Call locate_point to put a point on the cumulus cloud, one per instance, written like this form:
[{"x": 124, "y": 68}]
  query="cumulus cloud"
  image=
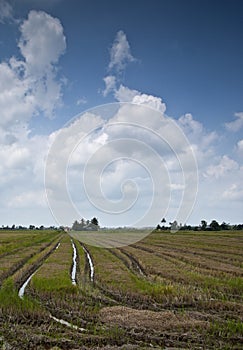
[
  {"x": 126, "y": 152},
  {"x": 237, "y": 124},
  {"x": 28, "y": 199},
  {"x": 6, "y": 11},
  {"x": 201, "y": 140},
  {"x": 150, "y": 101},
  {"x": 110, "y": 84},
  {"x": 240, "y": 146},
  {"x": 234, "y": 192},
  {"x": 224, "y": 166},
  {"x": 14, "y": 156},
  {"x": 196, "y": 132},
  {"x": 120, "y": 56},
  {"x": 120, "y": 53},
  {"x": 42, "y": 42},
  {"x": 16, "y": 103},
  {"x": 30, "y": 86},
  {"x": 124, "y": 94}
]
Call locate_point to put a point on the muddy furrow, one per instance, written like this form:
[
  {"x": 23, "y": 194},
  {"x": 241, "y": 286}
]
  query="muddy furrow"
[
  {"x": 109, "y": 296},
  {"x": 19, "y": 249},
  {"x": 89, "y": 262},
  {"x": 130, "y": 299},
  {"x": 134, "y": 301},
  {"x": 193, "y": 263},
  {"x": 166, "y": 256},
  {"x": 203, "y": 250},
  {"x": 20, "y": 264},
  {"x": 25, "y": 279},
  {"x": 208, "y": 262},
  {"x": 134, "y": 262},
  {"x": 128, "y": 260},
  {"x": 22, "y": 289}
]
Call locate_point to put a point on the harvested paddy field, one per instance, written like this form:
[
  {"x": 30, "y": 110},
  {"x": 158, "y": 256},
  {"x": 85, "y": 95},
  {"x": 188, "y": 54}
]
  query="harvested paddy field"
[{"x": 169, "y": 291}]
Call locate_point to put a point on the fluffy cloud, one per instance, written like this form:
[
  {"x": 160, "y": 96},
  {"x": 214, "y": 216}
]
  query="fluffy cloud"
[
  {"x": 16, "y": 104},
  {"x": 120, "y": 53},
  {"x": 237, "y": 124},
  {"x": 195, "y": 131},
  {"x": 150, "y": 101},
  {"x": 119, "y": 162},
  {"x": 234, "y": 192},
  {"x": 110, "y": 84},
  {"x": 124, "y": 94},
  {"x": 14, "y": 156},
  {"x": 201, "y": 140},
  {"x": 224, "y": 166},
  {"x": 30, "y": 86},
  {"x": 136, "y": 152},
  {"x": 42, "y": 42},
  {"x": 240, "y": 146},
  {"x": 28, "y": 199},
  {"x": 120, "y": 56}
]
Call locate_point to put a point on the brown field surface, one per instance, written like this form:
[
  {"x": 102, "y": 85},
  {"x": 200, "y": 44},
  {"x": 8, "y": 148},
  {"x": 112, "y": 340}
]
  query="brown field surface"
[{"x": 168, "y": 291}]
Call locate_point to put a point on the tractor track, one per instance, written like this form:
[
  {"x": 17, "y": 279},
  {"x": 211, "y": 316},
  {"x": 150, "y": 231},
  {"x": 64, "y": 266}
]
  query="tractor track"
[
  {"x": 89, "y": 264},
  {"x": 129, "y": 261},
  {"x": 203, "y": 266},
  {"x": 33, "y": 269},
  {"x": 20, "y": 264}
]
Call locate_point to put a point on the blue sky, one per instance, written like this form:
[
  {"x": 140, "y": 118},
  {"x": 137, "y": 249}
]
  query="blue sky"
[{"x": 186, "y": 55}]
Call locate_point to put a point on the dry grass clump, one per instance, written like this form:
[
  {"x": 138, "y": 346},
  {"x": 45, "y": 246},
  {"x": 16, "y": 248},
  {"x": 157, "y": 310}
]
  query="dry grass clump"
[{"x": 146, "y": 319}]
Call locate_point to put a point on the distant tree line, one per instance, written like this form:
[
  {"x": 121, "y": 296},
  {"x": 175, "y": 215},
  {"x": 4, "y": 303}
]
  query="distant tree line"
[
  {"x": 30, "y": 227},
  {"x": 204, "y": 226},
  {"x": 86, "y": 225}
]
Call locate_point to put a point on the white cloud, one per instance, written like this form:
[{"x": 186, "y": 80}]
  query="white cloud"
[
  {"x": 195, "y": 131},
  {"x": 124, "y": 94},
  {"x": 30, "y": 86},
  {"x": 120, "y": 53},
  {"x": 42, "y": 41},
  {"x": 225, "y": 165},
  {"x": 234, "y": 192},
  {"x": 16, "y": 104},
  {"x": 237, "y": 124},
  {"x": 110, "y": 84},
  {"x": 6, "y": 11},
  {"x": 14, "y": 156},
  {"x": 120, "y": 56},
  {"x": 127, "y": 154},
  {"x": 81, "y": 101},
  {"x": 150, "y": 101},
  {"x": 28, "y": 199},
  {"x": 240, "y": 146}
]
